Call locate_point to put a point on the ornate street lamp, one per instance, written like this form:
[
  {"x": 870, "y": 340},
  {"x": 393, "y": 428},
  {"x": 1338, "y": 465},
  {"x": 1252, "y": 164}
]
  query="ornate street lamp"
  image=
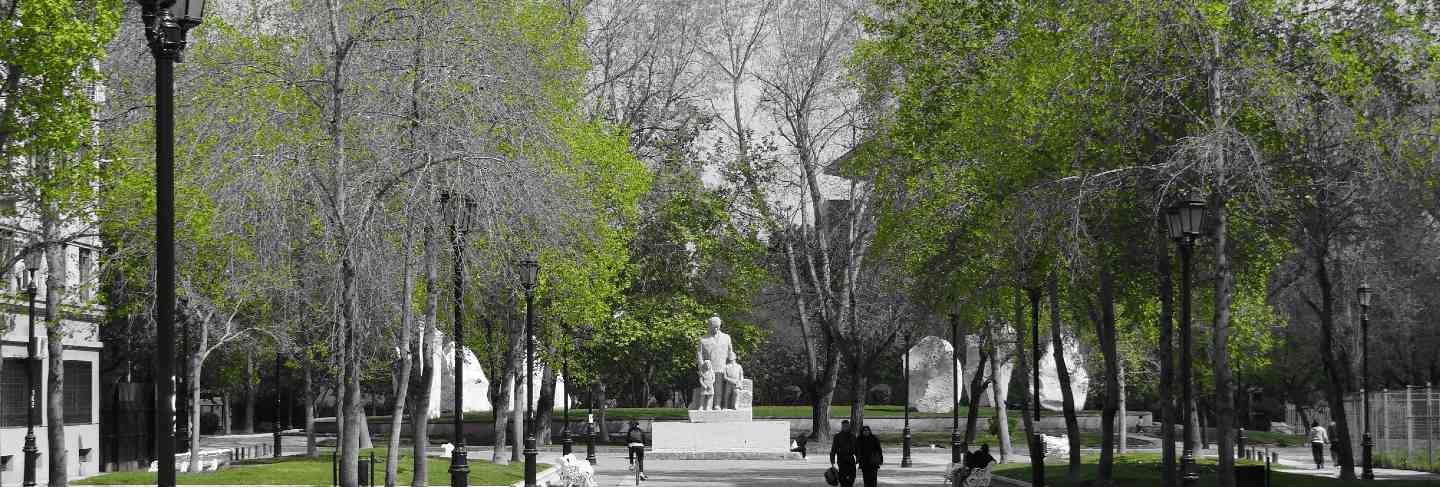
[
  {"x": 1368, "y": 443},
  {"x": 956, "y": 441},
  {"x": 278, "y": 361},
  {"x": 166, "y": 23},
  {"x": 1185, "y": 220},
  {"x": 529, "y": 275},
  {"x": 1037, "y": 442},
  {"x": 566, "y": 443},
  {"x": 461, "y": 213},
  {"x": 586, "y": 336},
  {"x": 905, "y": 458},
  {"x": 32, "y": 373}
]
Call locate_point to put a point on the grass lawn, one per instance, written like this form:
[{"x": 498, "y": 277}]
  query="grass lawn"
[
  {"x": 310, "y": 471},
  {"x": 1143, "y": 470}
]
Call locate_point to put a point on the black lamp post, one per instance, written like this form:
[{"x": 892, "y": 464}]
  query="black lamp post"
[
  {"x": 905, "y": 457},
  {"x": 1185, "y": 220},
  {"x": 1368, "y": 443},
  {"x": 529, "y": 272},
  {"x": 166, "y": 22},
  {"x": 460, "y": 212},
  {"x": 1037, "y": 442},
  {"x": 32, "y": 373},
  {"x": 278, "y": 361},
  {"x": 956, "y": 441},
  {"x": 586, "y": 336},
  {"x": 566, "y": 443}
]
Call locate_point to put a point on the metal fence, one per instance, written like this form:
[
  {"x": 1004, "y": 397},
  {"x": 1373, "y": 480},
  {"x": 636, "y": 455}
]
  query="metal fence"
[
  {"x": 1405, "y": 424},
  {"x": 1405, "y": 427}
]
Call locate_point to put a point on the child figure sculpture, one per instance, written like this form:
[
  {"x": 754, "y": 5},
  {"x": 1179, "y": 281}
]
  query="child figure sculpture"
[
  {"x": 729, "y": 391},
  {"x": 707, "y": 389}
]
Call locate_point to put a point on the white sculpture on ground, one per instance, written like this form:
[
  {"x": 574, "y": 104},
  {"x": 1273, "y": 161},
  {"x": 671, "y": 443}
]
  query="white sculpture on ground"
[
  {"x": 721, "y": 423},
  {"x": 1005, "y": 339},
  {"x": 1050, "y": 397},
  {"x": 442, "y": 385},
  {"x": 932, "y": 376}
]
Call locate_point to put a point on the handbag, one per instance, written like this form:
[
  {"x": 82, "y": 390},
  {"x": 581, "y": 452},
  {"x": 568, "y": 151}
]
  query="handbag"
[{"x": 832, "y": 476}]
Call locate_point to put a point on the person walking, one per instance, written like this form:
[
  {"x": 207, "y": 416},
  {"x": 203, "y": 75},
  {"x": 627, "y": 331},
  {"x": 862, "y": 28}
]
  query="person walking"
[
  {"x": 635, "y": 440},
  {"x": 1335, "y": 458},
  {"x": 842, "y": 448},
  {"x": 867, "y": 450},
  {"x": 1318, "y": 439}
]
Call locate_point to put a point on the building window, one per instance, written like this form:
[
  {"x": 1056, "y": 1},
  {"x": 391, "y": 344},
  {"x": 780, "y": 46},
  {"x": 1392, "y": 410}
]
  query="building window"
[
  {"x": 77, "y": 392},
  {"x": 87, "y": 264},
  {"x": 12, "y": 393}
]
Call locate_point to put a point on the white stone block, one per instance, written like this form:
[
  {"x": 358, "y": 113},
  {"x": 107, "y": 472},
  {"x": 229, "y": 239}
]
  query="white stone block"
[
  {"x": 752, "y": 436},
  {"x": 720, "y": 415}
]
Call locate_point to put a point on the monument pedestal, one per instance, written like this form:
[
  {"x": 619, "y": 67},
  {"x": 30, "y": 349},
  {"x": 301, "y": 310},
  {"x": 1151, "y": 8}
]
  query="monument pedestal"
[{"x": 737, "y": 440}]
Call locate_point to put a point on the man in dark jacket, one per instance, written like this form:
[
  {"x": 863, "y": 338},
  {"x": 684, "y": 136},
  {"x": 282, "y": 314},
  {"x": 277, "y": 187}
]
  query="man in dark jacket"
[{"x": 843, "y": 448}]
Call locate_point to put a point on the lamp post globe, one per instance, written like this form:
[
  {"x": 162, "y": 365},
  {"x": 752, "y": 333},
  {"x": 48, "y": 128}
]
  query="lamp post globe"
[
  {"x": 166, "y": 23},
  {"x": 1185, "y": 220},
  {"x": 1367, "y": 443},
  {"x": 529, "y": 274}
]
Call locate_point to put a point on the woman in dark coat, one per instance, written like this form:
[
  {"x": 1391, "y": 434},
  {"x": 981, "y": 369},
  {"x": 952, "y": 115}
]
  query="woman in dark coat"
[{"x": 867, "y": 450}]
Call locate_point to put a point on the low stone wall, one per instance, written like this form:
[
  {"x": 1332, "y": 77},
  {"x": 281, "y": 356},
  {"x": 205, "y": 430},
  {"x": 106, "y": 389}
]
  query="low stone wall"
[{"x": 484, "y": 432}]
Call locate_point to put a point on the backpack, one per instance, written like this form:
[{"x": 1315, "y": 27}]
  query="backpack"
[{"x": 635, "y": 435}]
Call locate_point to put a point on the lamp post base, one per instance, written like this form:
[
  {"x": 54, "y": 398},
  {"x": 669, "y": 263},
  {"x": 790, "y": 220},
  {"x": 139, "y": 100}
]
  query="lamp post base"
[
  {"x": 1367, "y": 445},
  {"x": 1188, "y": 476},
  {"x": 590, "y": 447},
  {"x": 32, "y": 457},
  {"x": 277, "y": 441},
  {"x": 567, "y": 444},
  {"x": 957, "y": 444},
  {"x": 459, "y": 467},
  {"x": 530, "y": 459},
  {"x": 905, "y": 456}
]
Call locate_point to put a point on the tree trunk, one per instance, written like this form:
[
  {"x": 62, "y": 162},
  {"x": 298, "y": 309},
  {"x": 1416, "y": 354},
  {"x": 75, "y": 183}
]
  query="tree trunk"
[
  {"x": 822, "y": 395},
  {"x": 55, "y": 346},
  {"x": 517, "y": 423},
  {"x": 1002, "y": 416},
  {"x": 1105, "y": 330},
  {"x": 1023, "y": 367},
  {"x": 544, "y": 406},
  {"x": 312, "y": 447},
  {"x": 977, "y": 384},
  {"x": 402, "y": 385},
  {"x": 1124, "y": 439},
  {"x": 1164, "y": 291},
  {"x": 248, "y": 409},
  {"x": 225, "y": 413},
  {"x": 1067, "y": 396},
  {"x": 604, "y": 405},
  {"x": 364, "y": 418},
  {"x": 1337, "y": 367},
  {"x": 1224, "y": 294},
  {"x": 194, "y": 380},
  {"x": 423, "y": 374},
  {"x": 502, "y": 419},
  {"x": 859, "y": 381}
]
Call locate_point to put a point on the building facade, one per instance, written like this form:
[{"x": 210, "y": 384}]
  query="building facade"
[{"x": 81, "y": 394}]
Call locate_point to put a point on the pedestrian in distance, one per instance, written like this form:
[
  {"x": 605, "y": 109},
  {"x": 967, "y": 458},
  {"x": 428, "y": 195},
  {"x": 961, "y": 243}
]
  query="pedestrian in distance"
[
  {"x": 1334, "y": 445},
  {"x": 871, "y": 457},
  {"x": 1318, "y": 439},
  {"x": 842, "y": 453},
  {"x": 635, "y": 441}
]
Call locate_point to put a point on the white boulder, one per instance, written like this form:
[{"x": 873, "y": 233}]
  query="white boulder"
[
  {"x": 932, "y": 376},
  {"x": 1050, "y": 396}
]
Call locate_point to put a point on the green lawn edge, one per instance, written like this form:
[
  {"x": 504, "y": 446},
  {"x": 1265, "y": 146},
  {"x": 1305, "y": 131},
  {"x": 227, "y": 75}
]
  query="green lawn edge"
[
  {"x": 317, "y": 471},
  {"x": 1143, "y": 470}
]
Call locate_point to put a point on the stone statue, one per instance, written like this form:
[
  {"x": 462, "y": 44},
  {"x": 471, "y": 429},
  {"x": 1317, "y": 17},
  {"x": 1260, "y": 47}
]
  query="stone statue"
[{"x": 712, "y": 357}]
